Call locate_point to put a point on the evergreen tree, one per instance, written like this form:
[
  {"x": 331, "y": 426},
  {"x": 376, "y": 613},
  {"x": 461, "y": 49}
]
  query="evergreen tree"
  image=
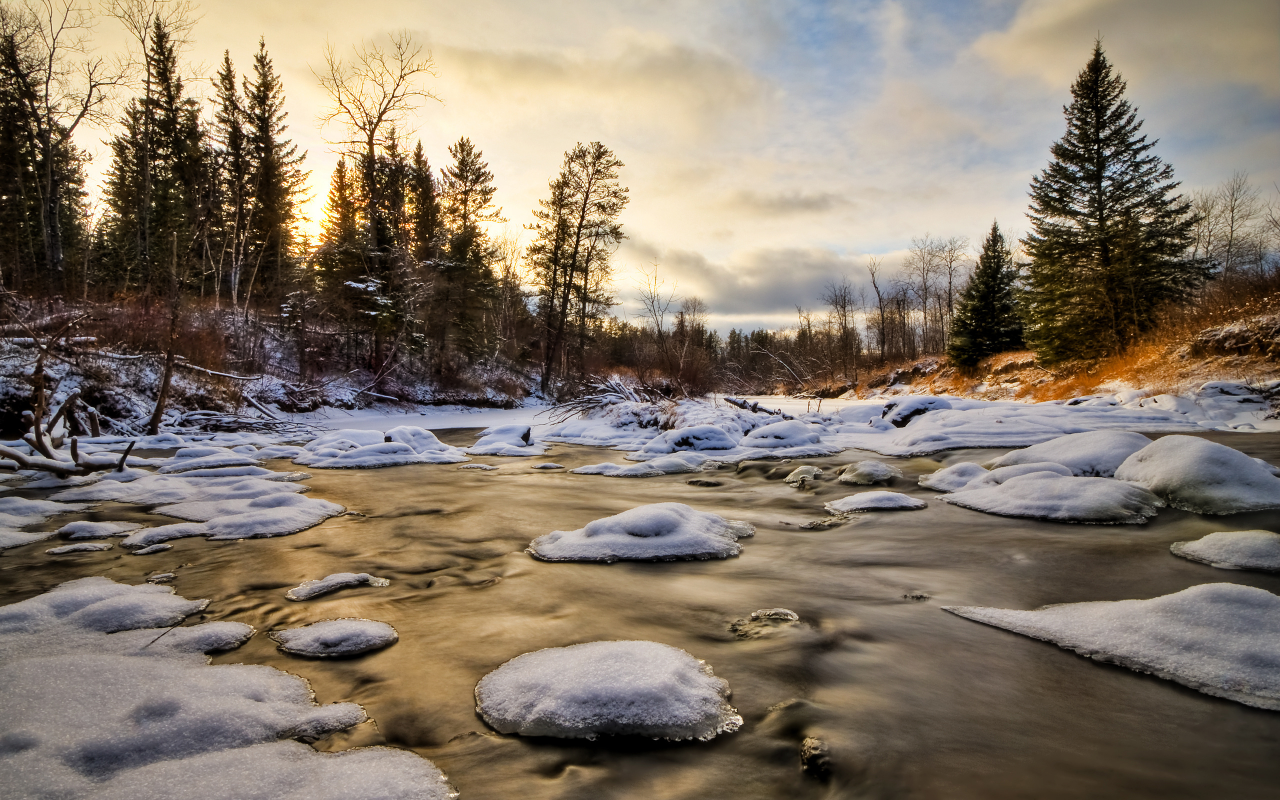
[
  {"x": 235, "y": 168},
  {"x": 986, "y": 319},
  {"x": 340, "y": 257},
  {"x": 464, "y": 274},
  {"x": 424, "y": 209},
  {"x": 1109, "y": 236}
]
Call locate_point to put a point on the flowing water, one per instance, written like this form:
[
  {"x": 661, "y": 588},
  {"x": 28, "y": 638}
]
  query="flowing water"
[{"x": 911, "y": 701}]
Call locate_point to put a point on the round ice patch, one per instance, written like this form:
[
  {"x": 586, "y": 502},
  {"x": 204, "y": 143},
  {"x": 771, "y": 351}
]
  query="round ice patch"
[{"x": 332, "y": 638}]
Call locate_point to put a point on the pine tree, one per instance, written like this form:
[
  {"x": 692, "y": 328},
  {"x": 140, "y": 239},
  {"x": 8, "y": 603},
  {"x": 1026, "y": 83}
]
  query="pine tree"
[
  {"x": 986, "y": 319},
  {"x": 342, "y": 241},
  {"x": 424, "y": 209},
  {"x": 236, "y": 193},
  {"x": 1109, "y": 236},
  {"x": 465, "y": 280}
]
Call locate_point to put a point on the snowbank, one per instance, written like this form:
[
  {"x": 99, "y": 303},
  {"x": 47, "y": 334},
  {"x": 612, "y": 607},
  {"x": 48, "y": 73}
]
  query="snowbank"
[
  {"x": 507, "y": 440},
  {"x": 875, "y": 501},
  {"x": 140, "y": 714},
  {"x": 336, "y": 638},
  {"x": 1234, "y": 550},
  {"x": 362, "y": 449},
  {"x": 1218, "y": 638},
  {"x": 332, "y": 583},
  {"x": 1201, "y": 476},
  {"x": 1053, "y": 496},
  {"x": 191, "y": 458},
  {"x": 620, "y": 688},
  {"x": 658, "y": 532},
  {"x": 1094, "y": 453}
]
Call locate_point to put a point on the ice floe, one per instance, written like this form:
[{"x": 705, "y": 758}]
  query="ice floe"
[
  {"x": 1222, "y": 639},
  {"x": 1205, "y": 477},
  {"x": 99, "y": 703},
  {"x": 1093, "y": 453},
  {"x": 875, "y": 501},
  {"x": 663, "y": 465},
  {"x": 150, "y": 489},
  {"x": 17, "y": 512},
  {"x": 613, "y": 688},
  {"x": 78, "y": 547},
  {"x": 507, "y": 440},
  {"x": 332, "y": 583},
  {"x": 1234, "y": 550},
  {"x": 96, "y": 530},
  {"x": 865, "y": 473},
  {"x": 1050, "y": 495},
  {"x": 191, "y": 458},
  {"x": 548, "y": 465},
  {"x": 257, "y": 518},
  {"x": 360, "y": 449},
  {"x": 334, "y": 638},
  {"x": 657, "y": 532}
]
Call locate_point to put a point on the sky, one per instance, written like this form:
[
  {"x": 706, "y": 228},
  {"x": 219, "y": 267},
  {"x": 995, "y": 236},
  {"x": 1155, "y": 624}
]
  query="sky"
[{"x": 772, "y": 146}]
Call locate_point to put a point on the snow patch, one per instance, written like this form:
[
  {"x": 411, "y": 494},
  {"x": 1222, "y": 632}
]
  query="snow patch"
[
  {"x": 1204, "y": 477},
  {"x": 875, "y": 501},
  {"x": 1051, "y": 495},
  {"x": 335, "y": 638},
  {"x": 332, "y": 583},
  {"x": 1234, "y": 550},
  {"x": 657, "y": 532}
]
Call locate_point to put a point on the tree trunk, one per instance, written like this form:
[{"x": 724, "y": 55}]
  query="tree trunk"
[{"x": 162, "y": 396}]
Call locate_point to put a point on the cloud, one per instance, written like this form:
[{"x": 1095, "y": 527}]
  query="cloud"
[{"x": 794, "y": 202}]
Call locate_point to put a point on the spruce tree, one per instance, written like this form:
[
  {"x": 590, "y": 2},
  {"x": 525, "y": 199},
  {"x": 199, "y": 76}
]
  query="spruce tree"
[
  {"x": 465, "y": 280},
  {"x": 986, "y": 319},
  {"x": 1109, "y": 235}
]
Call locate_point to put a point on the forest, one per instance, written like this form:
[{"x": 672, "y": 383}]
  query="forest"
[{"x": 193, "y": 250}]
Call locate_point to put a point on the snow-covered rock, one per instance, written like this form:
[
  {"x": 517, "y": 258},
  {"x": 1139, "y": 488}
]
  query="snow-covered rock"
[
  {"x": 257, "y": 518},
  {"x": 664, "y": 465},
  {"x": 693, "y": 437},
  {"x": 875, "y": 501},
  {"x": 1093, "y": 453},
  {"x": 507, "y": 440},
  {"x": 547, "y": 465},
  {"x": 865, "y": 473},
  {"x": 954, "y": 477},
  {"x": 657, "y": 532},
  {"x": 78, "y": 547},
  {"x": 192, "y": 458},
  {"x": 1218, "y": 638},
  {"x": 899, "y": 413},
  {"x": 140, "y": 714},
  {"x": 619, "y": 688},
  {"x": 1234, "y": 550},
  {"x": 84, "y": 529},
  {"x": 1204, "y": 477},
  {"x": 786, "y": 434},
  {"x": 149, "y": 489},
  {"x": 803, "y": 475},
  {"x": 1054, "y": 496},
  {"x": 332, "y": 583},
  {"x": 335, "y": 638},
  {"x": 361, "y": 449}
]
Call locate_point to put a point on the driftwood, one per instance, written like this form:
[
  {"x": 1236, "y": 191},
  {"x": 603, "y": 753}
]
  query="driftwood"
[{"x": 756, "y": 408}]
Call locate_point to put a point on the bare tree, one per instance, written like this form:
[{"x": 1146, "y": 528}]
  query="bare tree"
[
  {"x": 842, "y": 305},
  {"x": 873, "y": 267},
  {"x": 1240, "y": 206}
]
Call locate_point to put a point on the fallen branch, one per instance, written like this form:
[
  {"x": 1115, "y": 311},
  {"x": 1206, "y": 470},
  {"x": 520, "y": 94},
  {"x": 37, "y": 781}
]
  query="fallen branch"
[{"x": 756, "y": 408}]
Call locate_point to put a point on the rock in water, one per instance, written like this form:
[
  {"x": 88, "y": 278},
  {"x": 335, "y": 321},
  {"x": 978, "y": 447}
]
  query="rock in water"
[
  {"x": 865, "y": 473},
  {"x": 332, "y": 583},
  {"x": 875, "y": 501},
  {"x": 614, "y": 688},
  {"x": 1222, "y": 639},
  {"x": 336, "y": 637},
  {"x": 1094, "y": 453},
  {"x": 1053, "y": 496},
  {"x": 800, "y": 476},
  {"x": 1234, "y": 550},
  {"x": 658, "y": 532},
  {"x": 1201, "y": 476}
]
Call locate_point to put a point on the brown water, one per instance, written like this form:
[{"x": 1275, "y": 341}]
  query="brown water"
[{"x": 912, "y": 702}]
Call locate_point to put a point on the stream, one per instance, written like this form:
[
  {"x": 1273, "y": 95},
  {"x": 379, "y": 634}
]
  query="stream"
[{"x": 912, "y": 702}]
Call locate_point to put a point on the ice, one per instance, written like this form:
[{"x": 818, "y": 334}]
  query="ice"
[
  {"x": 1053, "y": 496},
  {"x": 803, "y": 475},
  {"x": 954, "y": 477},
  {"x": 663, "y": 465},
  {"x": 279, "y": 451},
  {"x": 152, "y": 549},
  {"x": 360, "y": 449},
  {"x": 485, "y": 467},
  {"x": 875, "y": 501},
  {"x": 334, "y": 638},
  {"x": 693, "y": 437},
  {"x": 548, "y": 465},
  {"x": 1234, "y": 550},
  {"x": 246, "y": 472},
  {"x": 614, "y": 688},
  {"x": 1094, "y": 453},
  {"x": 206, "y": 458},
  {"x": 255, "y": 518},
  {"x": 332, "y": 583},
  {"x": 16, "y": 512},
  {"x": 139, "y": 714},
  {"x": 96, "y": 530},
  {"x": 1222, "y": 639},
  {"x": 1204, "y": 477},
  {"x": 79, "y": 547},
  {"x": 866, "y": 473},
  {"x": 507, "y": 440},
  {"x": 657, "y": 532},
  {"x": 162, "y": 489}
]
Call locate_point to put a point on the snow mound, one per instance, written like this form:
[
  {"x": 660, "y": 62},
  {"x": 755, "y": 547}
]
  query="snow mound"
[
  {"x": 256, "y": 518},
  {"x": 789, "y": 433},
  {"x": 507, "y": 440},
  {"x": 358, "y": 449},
  {"x": 332, "y": 583},
  {"x": 152, "y": 549},
  {"x": 166, "y": 489},
  {"x": 1218, "y": 638},
  {"x": 1053, "y": 496},
  {"x": 1234, "y": 550},
  {"x": 140, "y": 714},
  {"x": 78, "y": 547},
  {"x": 279, "y": 451},
  {"x": 865, "y": 473},
  {"x": 1201, "y": 476},
  {"x": 16, "y": 512},
  {"x": 548, "y": 465},
  {"x": 663, "y": 465},
  {"x": 802, "y": 475},
  {"x": 246, "y": 472},
  {"x": 96, "y": 530},
  {"x": 693, "y": 437},
  {"x": 191, "y": 458},
  {"x": 875, "y": 501},
  {"x": 657, "y": 532},
  {"x": 899, "y": 413},
  {"x": 1094, "y": 453},
  {"x": 953, "y": 478},
  {"x": 615, "y": 688},
  {"x": 333, "y": 638}
]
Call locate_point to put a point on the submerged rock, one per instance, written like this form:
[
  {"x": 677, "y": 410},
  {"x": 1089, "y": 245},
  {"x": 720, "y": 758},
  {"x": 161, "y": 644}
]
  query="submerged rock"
[
  {"x": 764, "y": 622},
  {"x": 612, "y": 688}
]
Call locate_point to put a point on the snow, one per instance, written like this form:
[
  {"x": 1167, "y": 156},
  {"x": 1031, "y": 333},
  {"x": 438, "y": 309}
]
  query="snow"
[
  {"x": 1218, "y": 638},
  {"x": 365, "y": 449},
  {"x": 786, "y": 434},
  {"x": 614, "y": 688},
  {"x": 200, "y": 458},
  {"x": 548, "y": 465},
  {"x": 16, "y": 512},
  {"x": 163, "y": 489},
  {"x": 657, "y": 532},
  {"x": 507, "y": 440},
  {"x": 152, "y": 549},
  {"x": 255, "y": 518},
  {"x": 332, "y": 583},
  {"x": 900, "y": 412},
  {"x": 79, "y": 547},
  {"x": 802, "y": 475},
  {"x": 866, "y": 473},
  {"x": 485, "y": 467},
  {"x": 1050, "y": 495},
  {"x": 1204, "y": 477},
  {"x": 954, "y": 477},
  {"x": 96, "y": 530},
  {"x": 875, "y": 501},
  {"x": 335, "y": 638},
  {"x": 99, "y": 703},
  {"x": 1093, "y": 453},
  {"x": 664, "y": 465},
  {"x": 692, "y": 437},
  {"x": 1234, "y": 550}
]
